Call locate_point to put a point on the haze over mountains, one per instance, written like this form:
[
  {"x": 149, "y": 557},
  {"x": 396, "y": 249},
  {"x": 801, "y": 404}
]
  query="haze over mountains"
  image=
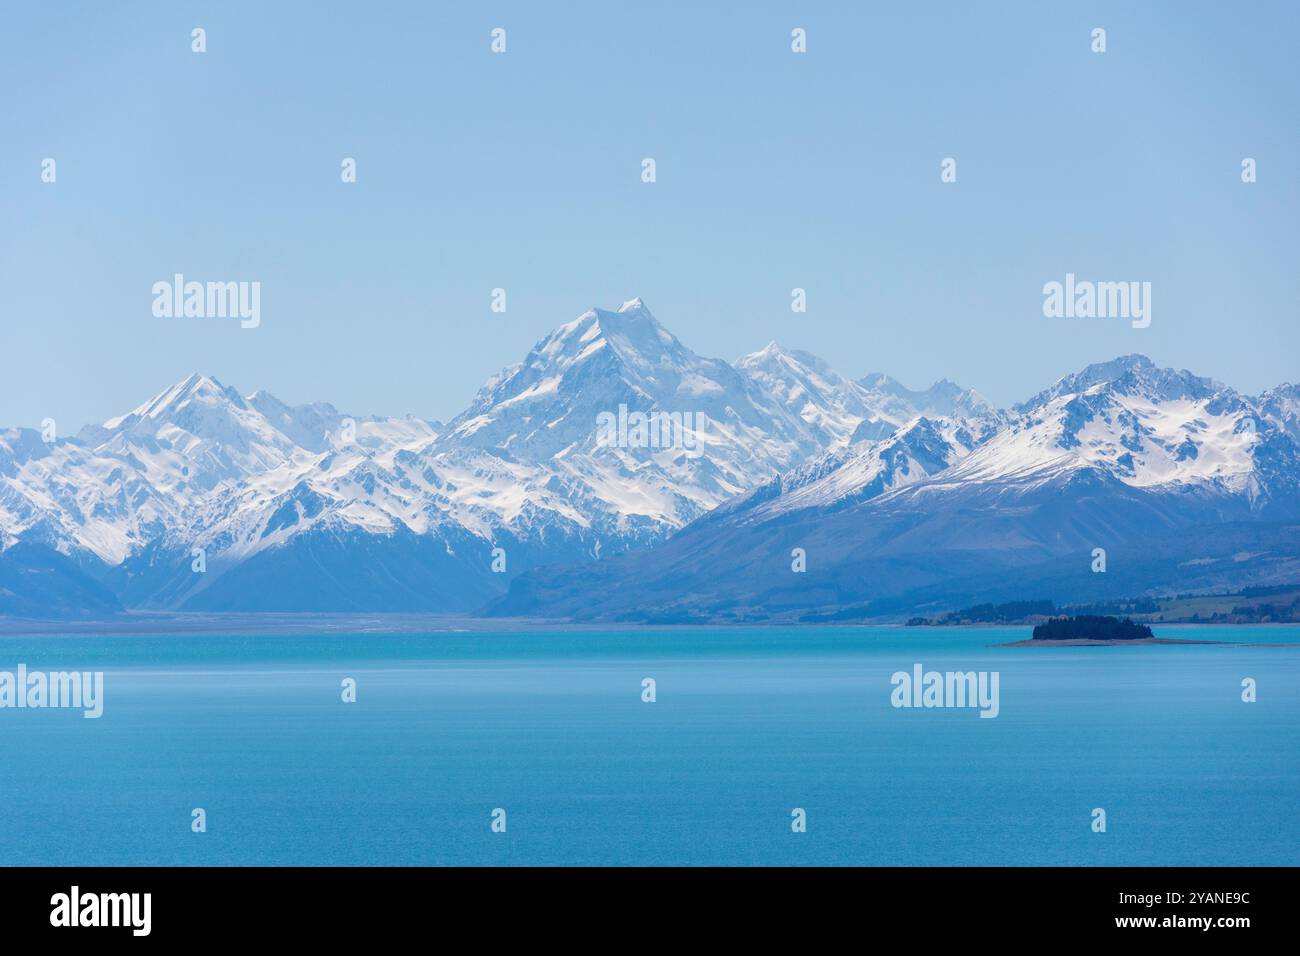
[{"x": 900, "y": 499}]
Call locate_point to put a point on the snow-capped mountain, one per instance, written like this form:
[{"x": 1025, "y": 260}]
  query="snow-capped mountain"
[
  {"x": 1281, "y": 406},
  {"x": 1160, "y": 467},
  {"x": 865, "y": 469},
  {"x": 943, "y": 399},
  {"x": 281, "y": 499},
  {"x": 158, "y": 470},
  {"x": 831, "y": 406},
  {"x": 843, "y": 412},
  {"x": 613, "y": 438},
  {"x": 1148, "y": 428},
  {"x": 543, "y": 412}
]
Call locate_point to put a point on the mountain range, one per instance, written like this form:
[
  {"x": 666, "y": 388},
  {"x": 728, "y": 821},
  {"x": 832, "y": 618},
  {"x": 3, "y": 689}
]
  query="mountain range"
[{"x": 894, "y": 501}]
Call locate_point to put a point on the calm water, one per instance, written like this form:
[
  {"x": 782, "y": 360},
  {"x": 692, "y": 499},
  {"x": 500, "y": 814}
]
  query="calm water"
[{"x": 749, "y": 723}]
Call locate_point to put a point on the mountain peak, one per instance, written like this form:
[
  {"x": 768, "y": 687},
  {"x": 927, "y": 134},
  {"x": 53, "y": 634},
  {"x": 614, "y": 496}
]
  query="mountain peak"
[
  {"x": 596, "y": 323},
  {"x": 633, "y": 312},
  {"x": 1130, "y": 374},
  {"x": 775, "y": 349},
  {"x": 774, "y": 356},
  {"x": 772, "y": 350},
  {"x": 196, "y": 386},
  {"x": 1117, "y": 367},
  {"x": 879, "y": 380},
  {"x": 633, "y": 333},
  {"x": 945, "y": 398},
  {"x": 593, "y": 364}
]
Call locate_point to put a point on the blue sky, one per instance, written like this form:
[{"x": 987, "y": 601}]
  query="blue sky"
[{"x": 522, "y": 171}]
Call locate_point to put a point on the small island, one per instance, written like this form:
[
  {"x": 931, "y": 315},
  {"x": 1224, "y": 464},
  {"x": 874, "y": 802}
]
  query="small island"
[
  {"x": 1091, "y": 630},
  {"x": 1091, "y": 627}
]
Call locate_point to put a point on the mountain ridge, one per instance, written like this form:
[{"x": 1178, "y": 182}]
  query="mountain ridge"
[{"x": 282, "y": 499}]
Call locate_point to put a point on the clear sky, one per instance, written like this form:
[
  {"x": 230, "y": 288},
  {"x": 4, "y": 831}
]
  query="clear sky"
[{"x": 523, "y": 171}]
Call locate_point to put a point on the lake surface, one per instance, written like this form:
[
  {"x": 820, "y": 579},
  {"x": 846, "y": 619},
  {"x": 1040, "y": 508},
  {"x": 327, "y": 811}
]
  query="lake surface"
[{"x": 748, "y": 724}]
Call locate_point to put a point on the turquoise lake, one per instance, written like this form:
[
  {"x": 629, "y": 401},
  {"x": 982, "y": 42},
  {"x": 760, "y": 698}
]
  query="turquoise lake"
[{"x": 748, "y": 724}]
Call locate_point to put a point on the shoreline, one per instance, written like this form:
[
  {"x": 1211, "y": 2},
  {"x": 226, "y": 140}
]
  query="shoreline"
[
  {"x": 274, "y": 624},
  {"x": 1089, "y": 642},
  {"x": 1120, "y": 642}
]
